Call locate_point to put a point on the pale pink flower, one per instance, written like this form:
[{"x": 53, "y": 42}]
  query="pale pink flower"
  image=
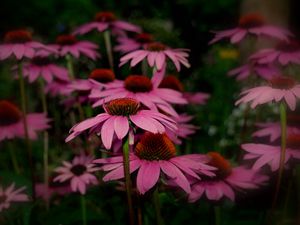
[
  {"x": 126, "y": 44},
  {"x": 116, "y": 120},
  {"x": 19, "y": 43},
  {"x": 12, "y": 126},
  {"x": 154, "y": 157},
  {"x": 142, "y": 89},
  {"x": 79, "y": 172},
  {"x": 227, "y": 182},
  {"x": 104, "y": 21},
  {"x": 10, "y": 195},
  {"x": 284, "y": 53},
  {"x": 68, "y": 44},
  {"x": 268, "y": 155},
  {"x": 278, "y": 89},
  {"x": 251, "y": 24},
  {"x": 157, "y": 55}
]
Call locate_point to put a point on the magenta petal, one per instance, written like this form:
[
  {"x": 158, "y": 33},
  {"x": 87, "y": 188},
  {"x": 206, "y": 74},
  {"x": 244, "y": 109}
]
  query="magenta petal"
[
  {"x": 107, "y": 132},
  {"x": 121, "y": 126},
  {"x": 147, "y": 176}
]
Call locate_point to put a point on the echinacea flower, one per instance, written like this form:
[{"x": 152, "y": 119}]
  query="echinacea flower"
[
  {"x": 284, "y": 53},
  {"x": 58, "y": 87},
  {"x": 278, "y": 89},
  {"x": 11, "y": 122},
  {"x": 104, "y": 21},
  {"x": 126, "y": 44},
  {"x": 155, "y": 157},
  {"x": 79, "y": 172},
  {"x": 227, "y": 182},
  {"x": 172, "y": 82},
  {"x": 44, "y": 68},
  {"x": 157, "y": 55},
  {"x": 69, "y": 44},
  {"x": 10, "y": 195},
  {"x": 251, "y": 24},
  {"x": 54, "y": 188},
  {"x": 118, "y": 116},
  {"x": 268, "y": 155},
  {"x": 19, "y": 43},
  {"x": 142, "y": 89}
]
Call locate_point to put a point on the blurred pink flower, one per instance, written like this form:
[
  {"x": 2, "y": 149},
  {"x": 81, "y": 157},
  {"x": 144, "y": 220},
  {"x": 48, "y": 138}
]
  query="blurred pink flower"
[
  {"x": 118, "y": 114},
  {"x": 126, "y": 44},
  {"x": 104, "y": 21},
  {"x": 10, "y": 195},
  {"x": 58, "y": 87},
  {"x": 68, "y": 44},
  {"x": 278, "y": 89},
  {"x": 268, "y": 155},
  {"x": 157, "y": 55},
  {"x": 54, "y": 188},
  {"x": 142, "y": 89},
  {"x": 79, "y": 172},
  {"x": 251, "y": 24},
  {"x": 11, "y": 122},
  {"x": 227, "y": 181},
  {"x": 155, "y": 156},
  {"x": 284, "y": 53},
  {"x": 19, "y": 43}
]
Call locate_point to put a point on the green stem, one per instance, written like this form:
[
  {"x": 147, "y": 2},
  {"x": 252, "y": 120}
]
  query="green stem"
[
  {"x": 24, "y": 112},
  {"x": 83, "y": 210},
  {"x": 217, "y": 210},
  {"x": 108, "y": 49},
  {"x": 46, "y": 143},
  {"x": 128, "y": 180},
  {"x": 14, "y": 159},
  {"x": 156, "y": 201}
]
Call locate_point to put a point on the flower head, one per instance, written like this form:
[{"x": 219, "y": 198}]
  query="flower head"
[
  {"x": 154, "y": 157},
  {"x": 79, "y": 172}
]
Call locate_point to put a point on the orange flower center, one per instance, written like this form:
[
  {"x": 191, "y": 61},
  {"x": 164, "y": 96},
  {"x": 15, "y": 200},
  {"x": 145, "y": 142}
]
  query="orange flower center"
[
  {"x": 293, "y": 141},
  {"x": 122, "y": 107},
  {"x": 40, "y": 61},
  {"x": 102, "y": 75},
  {"x": 9, "y": 113},
  {"x": 282, "y": 82},
  {"x": 17, "y": 36},
  {"x": 78, "y": 170},
  {"x": 172, "y": 82},
  {"x": 105, "y": 17},
  {"x": 155, "y": 47},
  {"x": 251, "y": 20},
  {"x": 218, "y": 161},
  {"x": 155, "y": 147},
  {"x": 66, "y": 39},
  {"x": 138, "y": 83},
  {"x": 144, "y": 38}
]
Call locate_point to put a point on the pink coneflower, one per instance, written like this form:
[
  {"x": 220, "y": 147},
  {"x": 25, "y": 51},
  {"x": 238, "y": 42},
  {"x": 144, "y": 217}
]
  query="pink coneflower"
[
  {"x": 251, "y": 24},
  {"x": 118, "y": 116},
  {"x": 253, "y": 68},
  {"x": 79, "y": 172},
  {"x": 284, "y": 53},
  {"x": 104, "y": 21},
  {"x": 43, "y": 67},
  {"x": 157, "y": 55},
  {"x": 154, "y": 157},
  {"x": 19, "y": 43},
  {"x": 68, "y": 44},
  {"x": 268, "y": 155},
  {"x": 11, "y": 122},
  {"x": 142, "y": 89},
  {"x": 54, "y": 188},
  {"x": 227, "y": 181},
  {"x": 58, "y": 87},
  {"x": 273, "y": 130},
  {"x": 172, "y": 82},
  {"x": 278, "y": 89},
  {"x": 10, "y": 195},
  {"x": 126, "y": 44}
]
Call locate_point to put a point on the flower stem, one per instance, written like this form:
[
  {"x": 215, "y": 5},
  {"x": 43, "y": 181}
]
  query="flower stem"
[
  {"x": 14, "y": 159},
  {"x": 107, "y": 41},
  {"x": 128, "y": 180},
  {"x": 283, "y": 152},
  {"x": 46, "y": 144},
  {"x": 156, "y": 201},
  {"x": 83, "y": 210},
  {"x": 217, "y": 210},
  {"x": 27, "y": 140}
]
